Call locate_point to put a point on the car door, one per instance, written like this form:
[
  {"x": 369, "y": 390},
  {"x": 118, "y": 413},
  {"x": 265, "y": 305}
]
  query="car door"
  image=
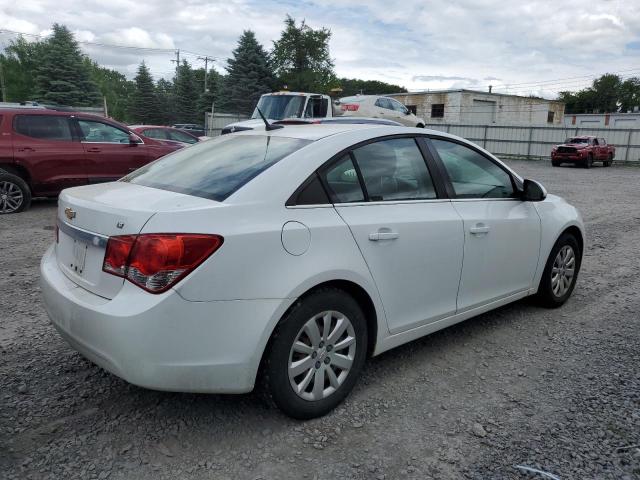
[
  {"x": 501, "y": 232},
  {"x": 46, "y": 146},
  {"x": 400, "y": 113},
  {"x": 109, "y": 152},
  {"x": 410, "y": 236},
  {"x": 383, "y": 108}
]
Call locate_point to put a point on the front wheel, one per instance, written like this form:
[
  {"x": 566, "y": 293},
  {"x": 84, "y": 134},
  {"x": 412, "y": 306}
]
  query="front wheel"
[
  {"x": 316, "y": 354},
  {"x": 15, "y": 195},
  {"x": 560, "y": 272},
  {"x": 608, "y": 161},
  {"x": 588, "y": 162}
]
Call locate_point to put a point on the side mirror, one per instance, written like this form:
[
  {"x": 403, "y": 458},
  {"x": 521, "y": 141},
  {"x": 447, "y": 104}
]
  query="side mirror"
[
  {"x": 533, "y": 191},
  {"x": 134, "y": 139}
]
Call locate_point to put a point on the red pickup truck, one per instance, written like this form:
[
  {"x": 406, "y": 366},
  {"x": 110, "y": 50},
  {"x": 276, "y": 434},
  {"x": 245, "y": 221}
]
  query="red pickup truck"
[
  {"x": 43, "y": 151},
  {"x": 583, "y": 150}
]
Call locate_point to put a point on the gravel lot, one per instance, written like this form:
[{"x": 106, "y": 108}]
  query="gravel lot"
[{"x": 558, "y": 390}]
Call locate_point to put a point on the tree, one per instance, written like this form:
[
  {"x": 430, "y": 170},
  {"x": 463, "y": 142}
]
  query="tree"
[
  {"x": 19, "y": 61},
  {"x": 144, "y": 104},
  {"x": 606, "y": 94},
  {"x": 301, "y": 58},
  {"x": 115, "y": 88},
  {"x": 61, "y": 76},
  {"x": 249, "y": 75},
  {"x": 166, "y": 102},
  {"x": 354, "y": 86},
  {"x": 187, "y": 93}
]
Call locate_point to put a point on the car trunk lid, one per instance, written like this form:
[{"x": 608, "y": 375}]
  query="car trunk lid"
[{"x": 89, "y": 215}]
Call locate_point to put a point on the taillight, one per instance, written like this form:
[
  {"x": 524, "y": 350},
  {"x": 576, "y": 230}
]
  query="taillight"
[
  {"x": 157, "y": 261},
  {"x": 350, "y": 107}
]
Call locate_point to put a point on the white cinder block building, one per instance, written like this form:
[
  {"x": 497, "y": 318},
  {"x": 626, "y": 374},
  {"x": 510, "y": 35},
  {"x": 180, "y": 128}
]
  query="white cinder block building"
[
  {"x": 603, "y": 120},
  {"x": 482, "y": 108}
]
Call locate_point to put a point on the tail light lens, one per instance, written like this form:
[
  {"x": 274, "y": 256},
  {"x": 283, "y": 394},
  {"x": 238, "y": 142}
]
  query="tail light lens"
[
  {"x": 157, "y": 261},
  {"x": 350, "y": 107}
]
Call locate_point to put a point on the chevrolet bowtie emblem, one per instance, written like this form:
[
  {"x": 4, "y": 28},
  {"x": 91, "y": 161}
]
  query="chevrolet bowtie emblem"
[{"x": 70, "y": 213}]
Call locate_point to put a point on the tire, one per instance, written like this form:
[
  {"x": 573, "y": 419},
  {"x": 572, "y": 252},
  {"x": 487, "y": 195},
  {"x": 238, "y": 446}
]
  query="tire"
[
  {"x": 608, "y": 161},
  {"x": 555, "y": 164},
  {"x": 419, "y": 125},
  {"x": 15, "y": 195},
  {"x": 547, "y": 294},
  {"x": 588, "y": 162},
  {"x": 318, "y": 360}
]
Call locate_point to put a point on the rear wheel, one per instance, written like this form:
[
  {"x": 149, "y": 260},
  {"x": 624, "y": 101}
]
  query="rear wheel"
[
  {"x": 419, "y": 125},
  {"x": 560, "y": 272},
  {"x": 316, "y": 354},
  {"x": 15, "y": 195}
]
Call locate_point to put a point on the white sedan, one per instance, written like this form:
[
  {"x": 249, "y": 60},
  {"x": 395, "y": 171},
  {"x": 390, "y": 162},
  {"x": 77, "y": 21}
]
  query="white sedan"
[{"x": 286, "y": 257}]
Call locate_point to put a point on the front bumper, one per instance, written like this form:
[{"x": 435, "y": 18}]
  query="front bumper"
[
  {"x": 568, "y": 158},
  {"x": 162, "y": 342}
]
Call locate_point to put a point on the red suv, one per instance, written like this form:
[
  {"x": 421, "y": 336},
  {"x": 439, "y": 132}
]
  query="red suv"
[{"x": 43, "y": 151}]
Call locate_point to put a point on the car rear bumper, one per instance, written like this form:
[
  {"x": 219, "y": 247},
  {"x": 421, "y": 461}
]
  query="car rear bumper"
[{"x": 161, "y": 342}]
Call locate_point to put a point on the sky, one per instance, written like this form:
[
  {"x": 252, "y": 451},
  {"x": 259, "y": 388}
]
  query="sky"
[{"x": 520, "y": 46}]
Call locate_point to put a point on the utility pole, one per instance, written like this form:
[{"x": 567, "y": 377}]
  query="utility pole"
[
  {"x": 490, "y": 88},
  {"x": 206, "y": 64},
  {"x": 177, "y": 60}
]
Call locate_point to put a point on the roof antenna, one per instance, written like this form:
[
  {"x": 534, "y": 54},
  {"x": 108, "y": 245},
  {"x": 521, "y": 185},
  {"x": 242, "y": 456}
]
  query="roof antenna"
[{"x": 268, "y": 126}]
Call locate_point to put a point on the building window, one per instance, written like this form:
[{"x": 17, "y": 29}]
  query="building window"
[
  {"x": 437, "y": 110},
  {"x": 413, "y": 109},
  {"x": 550, "y": 116}
]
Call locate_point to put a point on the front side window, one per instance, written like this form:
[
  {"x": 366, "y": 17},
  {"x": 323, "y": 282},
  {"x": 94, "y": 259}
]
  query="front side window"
[
  {"x": 46, "y": 127},
  {"x": 472, "y": 174},
  {"x": 98, "y": 132},
  {"x": 394, "y": 170},
  {"x": 217, "y": 168},
  {"x": 398, "y": 107},
  {"x": 316, "y": 108}
]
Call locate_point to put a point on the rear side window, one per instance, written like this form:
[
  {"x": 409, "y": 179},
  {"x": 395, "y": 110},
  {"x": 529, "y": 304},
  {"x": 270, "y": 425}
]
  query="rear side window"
[
  {"x": 394, "y": 170},
  {"x": 343, "y": 182},
  {"x": 46, "y": 127},
  {"x": 155, "y": 133},
  {"x": 217, "y": 168},
  {"x": 180, "y": 136}
]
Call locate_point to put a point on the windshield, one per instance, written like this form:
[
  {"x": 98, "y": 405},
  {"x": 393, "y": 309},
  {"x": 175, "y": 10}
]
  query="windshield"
[
  {"x": 577, "y": 140},
  {"x": 217, "y": 168},
  {"x": 278, "y": 107}
]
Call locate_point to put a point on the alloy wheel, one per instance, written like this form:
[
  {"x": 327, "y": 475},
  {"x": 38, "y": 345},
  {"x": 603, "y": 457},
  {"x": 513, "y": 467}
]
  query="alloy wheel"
[
  {"x": 11, "y": 197},
  {"x": 322, "y": 355},
  {"x": 563, "y": 271}
]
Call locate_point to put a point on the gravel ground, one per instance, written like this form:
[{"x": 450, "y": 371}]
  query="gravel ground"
[{"x": 557, "y": 390}]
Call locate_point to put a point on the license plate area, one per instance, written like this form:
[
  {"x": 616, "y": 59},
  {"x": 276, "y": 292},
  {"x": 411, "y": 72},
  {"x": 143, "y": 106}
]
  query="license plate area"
[{"x": 79, "y": 256}]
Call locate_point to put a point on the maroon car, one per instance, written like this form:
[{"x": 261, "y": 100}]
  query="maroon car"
[
  {"x": 583, "y": 150},
  {"x": 43, "y": 151},
  {"x": 165, "y": 134}
]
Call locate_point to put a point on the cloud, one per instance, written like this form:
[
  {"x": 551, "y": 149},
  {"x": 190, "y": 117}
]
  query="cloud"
[{"x": 417, "y": 44}]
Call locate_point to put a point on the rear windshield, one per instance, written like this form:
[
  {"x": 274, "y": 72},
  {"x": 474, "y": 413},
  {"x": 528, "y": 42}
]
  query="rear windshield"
[{"x": 216, "y": 168}]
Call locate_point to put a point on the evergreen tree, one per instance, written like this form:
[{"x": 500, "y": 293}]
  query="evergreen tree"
[
  {"x": 61, "y": 76},
  {"x": 187, "y": 94},
  {"x": 144, "y": 104},
  {"x": 301, "y": 58},
  {"x": 166, "y": 102},
  {"x": 249, "y": 75}
]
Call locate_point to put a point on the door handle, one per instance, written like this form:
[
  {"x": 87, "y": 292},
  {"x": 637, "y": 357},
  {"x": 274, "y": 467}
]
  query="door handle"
[
  {"x": 26, "y": 149},
  {"x": 93, "y": 150},
  {"x": 479, "y": 229},
  {"x": 374, "y": 237}
]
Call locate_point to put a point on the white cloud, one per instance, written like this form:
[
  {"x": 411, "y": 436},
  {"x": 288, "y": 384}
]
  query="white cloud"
[{"x": 413, "y": 43}]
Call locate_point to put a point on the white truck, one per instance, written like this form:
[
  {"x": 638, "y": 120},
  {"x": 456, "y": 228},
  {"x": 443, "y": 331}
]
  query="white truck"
[{"x": 280, "y": 105}]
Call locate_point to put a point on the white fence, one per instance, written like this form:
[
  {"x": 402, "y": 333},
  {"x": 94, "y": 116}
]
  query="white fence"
[
  {"x": 536, "y": 142},
  {"x": 216, "y": 122}
]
